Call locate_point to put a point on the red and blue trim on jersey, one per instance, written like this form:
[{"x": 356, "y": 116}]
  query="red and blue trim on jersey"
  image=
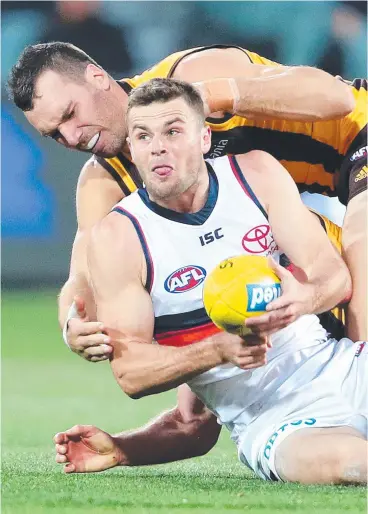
[
  {"x": 184, "y": 328},
  {"x": 244, "y": 184},
  {"x": 143, "y": 241}
]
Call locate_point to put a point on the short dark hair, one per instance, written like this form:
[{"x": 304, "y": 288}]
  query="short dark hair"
[
  {"x": 63, "y": 58},
  {"x": 163, "y": 90}
]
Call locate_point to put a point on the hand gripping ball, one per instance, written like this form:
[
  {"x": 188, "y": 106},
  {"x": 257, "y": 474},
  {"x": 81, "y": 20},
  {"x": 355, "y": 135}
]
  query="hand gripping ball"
[{"x": 238, "y": 288}]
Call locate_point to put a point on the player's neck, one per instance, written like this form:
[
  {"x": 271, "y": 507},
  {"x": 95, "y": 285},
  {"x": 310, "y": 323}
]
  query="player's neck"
[
  {"x": 194, "y": 198},
  {"x": 119, "y": 93}
]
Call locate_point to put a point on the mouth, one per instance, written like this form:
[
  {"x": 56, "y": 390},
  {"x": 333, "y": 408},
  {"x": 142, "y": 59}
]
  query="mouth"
[
  {"x": 92, "y": 142},
  {"x": 162, "y": 170}
]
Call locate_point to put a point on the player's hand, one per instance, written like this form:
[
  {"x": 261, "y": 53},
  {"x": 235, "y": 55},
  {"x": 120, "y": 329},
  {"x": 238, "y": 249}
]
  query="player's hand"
[
  {"x": 218, "y": 95},
  {"x": 246, "y": 352},
  {"x": 86, "y": 449},
  {"x": 296, "y": 300},
  {"x": 85, "y": 337},
  {"x": 202, "y": 90}
]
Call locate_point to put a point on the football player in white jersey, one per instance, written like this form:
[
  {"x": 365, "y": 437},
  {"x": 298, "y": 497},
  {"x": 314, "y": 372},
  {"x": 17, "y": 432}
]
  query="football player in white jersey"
[{"x": 305, "y": 404}]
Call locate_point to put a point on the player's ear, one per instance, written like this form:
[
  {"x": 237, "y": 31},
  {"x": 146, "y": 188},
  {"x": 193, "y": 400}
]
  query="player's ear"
[
  {"x": 130, "y": 148},
  {"x": 205, "y": 139},
  {"x": 97, "y": 77}
]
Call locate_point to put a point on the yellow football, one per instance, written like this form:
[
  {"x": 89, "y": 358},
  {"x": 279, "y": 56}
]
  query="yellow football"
[{"x": 238, "y": 288}]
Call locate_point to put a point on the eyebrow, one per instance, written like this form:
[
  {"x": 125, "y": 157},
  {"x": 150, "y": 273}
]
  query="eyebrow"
[
  {"x": 175, "y": 120},
  {"x": 166, "y": 124},
  {"x": 63, "y": 117}
]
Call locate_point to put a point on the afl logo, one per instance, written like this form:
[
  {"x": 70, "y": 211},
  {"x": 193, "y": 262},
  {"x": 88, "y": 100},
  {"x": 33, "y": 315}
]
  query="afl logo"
[
  {"x": 185, "y": 279},
  {"x": 259, "y": 240}
]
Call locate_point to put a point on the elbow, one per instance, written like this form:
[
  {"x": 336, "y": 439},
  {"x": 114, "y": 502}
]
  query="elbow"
[
  {"x": 347, "y": 102},
  {"x": 204, "y": 434},
  {"x": 335, "y": 97},
  {"x": 343, "y": 102},
  {"x": 347, "y": 288},
  {"x": 131, "y": 389}
]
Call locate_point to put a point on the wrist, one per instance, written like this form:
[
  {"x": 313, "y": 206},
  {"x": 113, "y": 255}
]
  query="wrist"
[
  {"x": 217, "y": 342},
  {"x": 220, "y": 95},
  {"x": 72, "y": 313},
  {"x": 121, "y": 457},
  {"x": 312, "y": 300}
]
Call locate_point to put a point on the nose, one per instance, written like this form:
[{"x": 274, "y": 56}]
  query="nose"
[
  {"x": 157, "y": 146},
  {"x": 71, "y": 134}
]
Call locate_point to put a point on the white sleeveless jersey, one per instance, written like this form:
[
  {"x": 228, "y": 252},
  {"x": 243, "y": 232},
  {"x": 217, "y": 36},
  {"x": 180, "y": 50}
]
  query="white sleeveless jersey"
[{"x": 180, "y": 250}]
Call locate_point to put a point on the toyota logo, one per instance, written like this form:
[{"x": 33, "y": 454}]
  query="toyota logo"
[{"x": 258, "y": 239}]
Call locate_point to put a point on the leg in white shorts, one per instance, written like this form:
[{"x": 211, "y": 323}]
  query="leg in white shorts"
[{"x": 322, "y": 440}]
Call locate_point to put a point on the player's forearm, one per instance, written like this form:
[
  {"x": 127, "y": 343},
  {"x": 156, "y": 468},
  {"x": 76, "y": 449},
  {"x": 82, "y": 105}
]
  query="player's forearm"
[
  {"x": 332, "y": 286},
  {"x": 167, "y": 439},
  {"x": 297, "y": 93},
  {"x": 142, "y": 369}
]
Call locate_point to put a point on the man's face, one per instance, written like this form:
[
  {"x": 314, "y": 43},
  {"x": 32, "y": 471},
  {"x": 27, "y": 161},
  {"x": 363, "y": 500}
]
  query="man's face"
[
  {"x": 83, "y": 115},
  {"x": 167, "y": 142}
]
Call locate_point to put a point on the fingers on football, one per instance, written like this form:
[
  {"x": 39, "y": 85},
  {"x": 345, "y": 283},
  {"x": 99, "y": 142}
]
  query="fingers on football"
[
  {"x": 280, "y": 271},
  {"x": 280, "y": 303},
  {"x": 271, "y": 318},
  {"x": 266, "y": 330}
]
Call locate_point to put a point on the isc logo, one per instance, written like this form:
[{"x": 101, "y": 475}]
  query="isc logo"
[
  {"x": 259, "y": 296},
  {"x": 185, "y": 279},
  {"x": 210, "y": 237}
]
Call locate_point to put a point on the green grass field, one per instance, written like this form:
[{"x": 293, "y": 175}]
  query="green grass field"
[{"x": 46, "y": 388}]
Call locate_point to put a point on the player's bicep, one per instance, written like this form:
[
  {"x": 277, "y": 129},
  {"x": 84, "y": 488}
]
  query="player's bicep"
[
  {"x": 78, "y": 260},
  {"x": 296, "y": 230},
  {"x": 115, "y": 265},
  {"x": 298, "y": 233},
  {"x": 127, "y": 314}
]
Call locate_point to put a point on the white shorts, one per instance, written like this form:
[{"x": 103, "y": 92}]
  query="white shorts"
[{"x": 336, "y": 397}]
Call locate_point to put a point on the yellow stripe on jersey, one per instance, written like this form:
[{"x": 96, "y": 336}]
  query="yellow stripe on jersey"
[
  {"x": 118, "y": 166},
  {"x": 123, "y": 171}
]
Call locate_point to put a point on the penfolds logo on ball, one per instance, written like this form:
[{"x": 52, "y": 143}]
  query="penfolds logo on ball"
[
  {"x": 184, "y": 279},
  {"x": 259, "y": 240}
]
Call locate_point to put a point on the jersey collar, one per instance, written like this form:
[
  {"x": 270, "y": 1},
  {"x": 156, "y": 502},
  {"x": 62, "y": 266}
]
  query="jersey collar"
[{"x": 195, "y": 218}]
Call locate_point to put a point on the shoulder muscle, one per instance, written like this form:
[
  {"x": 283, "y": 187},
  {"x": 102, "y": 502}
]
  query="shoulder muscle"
[
  {"x": 114, "y": 253},
  {"x": 222, "y": 63},
  {"x": 97, "y": 192}
]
